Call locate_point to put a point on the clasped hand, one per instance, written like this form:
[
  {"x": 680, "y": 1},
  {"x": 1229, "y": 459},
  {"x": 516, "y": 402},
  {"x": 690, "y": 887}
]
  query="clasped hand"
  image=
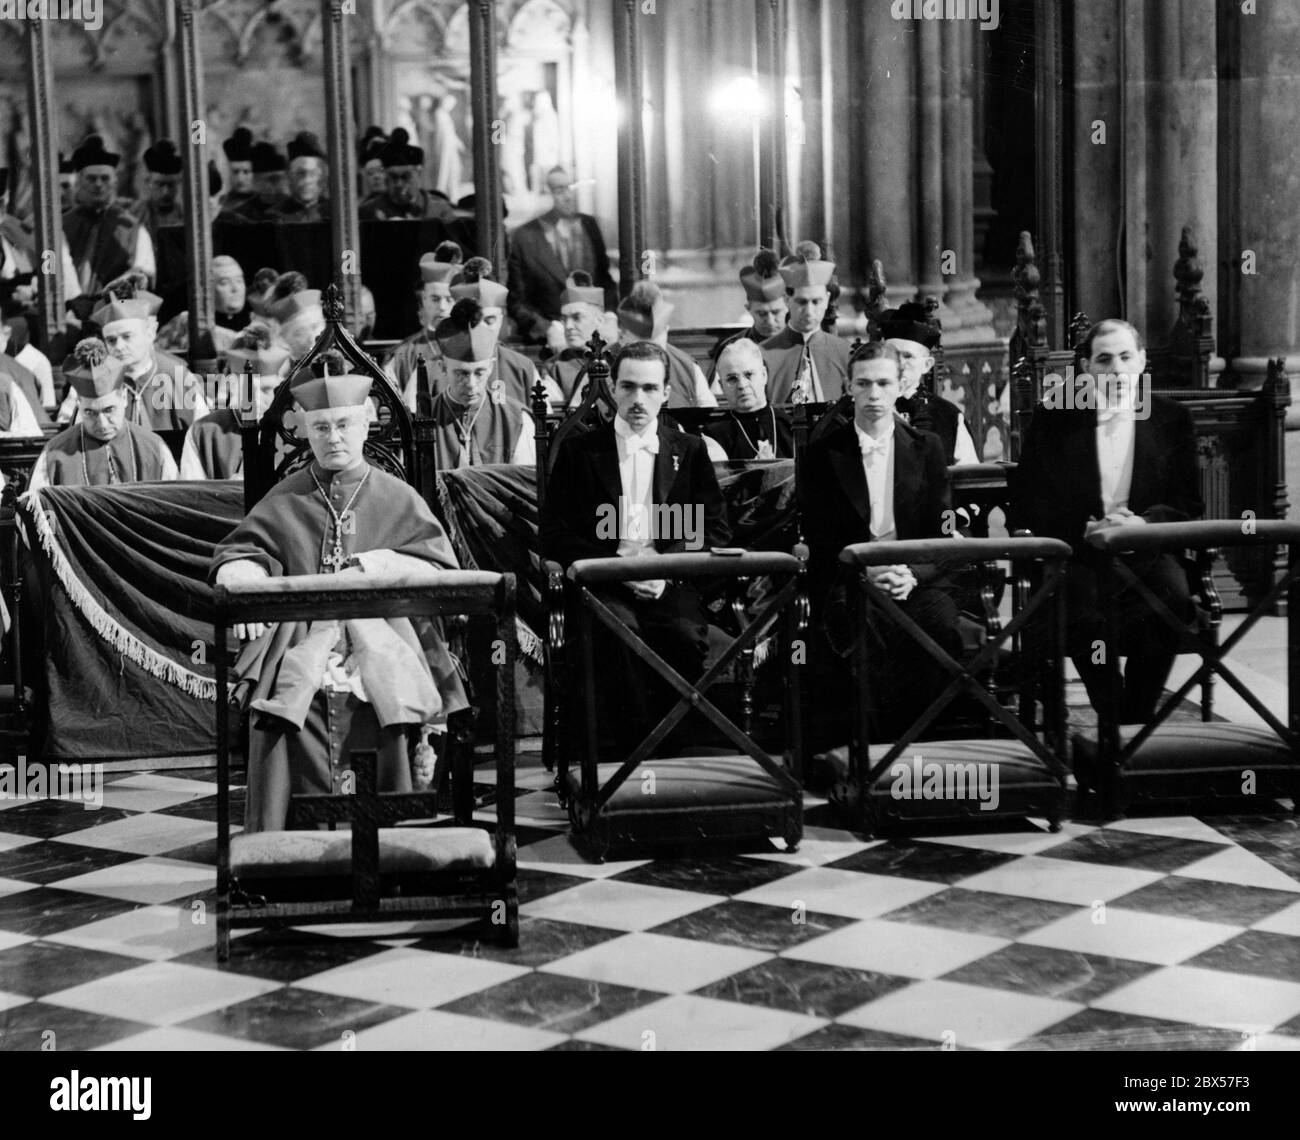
[
  {"x": 1121, "y": 517},
  {"x": 897, "y": 581}
]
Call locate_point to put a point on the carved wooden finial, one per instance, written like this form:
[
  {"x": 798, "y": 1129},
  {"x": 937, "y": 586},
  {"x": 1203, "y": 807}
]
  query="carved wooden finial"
[
  {"x": 1187, "y": 269},
  {"x": 1079, "y": 327},
  {"x": 1031, "y": 316},
  {"x": 876, "y": 288},
  {"x": 541, "y": 405},
  {"x": 332, "y": 304}
]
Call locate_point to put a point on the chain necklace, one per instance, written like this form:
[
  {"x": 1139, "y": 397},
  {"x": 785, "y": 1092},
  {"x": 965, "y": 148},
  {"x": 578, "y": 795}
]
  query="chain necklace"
[
  {"x": 753, "y": 446},
  {"x": 112, "y": 466},
  {"x": 466, "y": 433},
  {"x": 333, "y": 562}
]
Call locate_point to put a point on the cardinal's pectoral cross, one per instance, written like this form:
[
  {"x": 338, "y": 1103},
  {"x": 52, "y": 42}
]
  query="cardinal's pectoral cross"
[{"x": 335, "y": 560}]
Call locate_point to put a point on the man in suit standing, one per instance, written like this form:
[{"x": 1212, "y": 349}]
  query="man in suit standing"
[
  {"x": 877, "y": 479},
  {"x": 545, "y": 251},
  {"x": 632, "y": 488},
  {"x": 1121, "y": 456},
  {"x": 803, "y": 362}
]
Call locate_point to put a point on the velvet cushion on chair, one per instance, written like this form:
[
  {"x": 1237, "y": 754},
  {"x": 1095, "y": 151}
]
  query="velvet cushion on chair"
[
  {"x": 1197, "y": 747},
  {"x": 689, "y": 782},
  {"x": 1017, "y": 766},
  {"x": 312, "y": 854}
]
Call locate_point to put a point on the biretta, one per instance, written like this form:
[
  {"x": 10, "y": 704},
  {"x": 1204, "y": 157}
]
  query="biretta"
[
  {"x": 91, "y": 371},
  {"x": 266, "y": 159},
  {"x": 239, "y": 147},
  {"x": 266, "y": 360},
  {"x": 91, "y": 152},
  {"x": 580, "y": 291},
  {"x": 137, "y": 306},
  {"x": 398, "y": 151},
  {"x": 305, "y": 145},
  {"x": 487, "y": 293},
  {"x": 643, "y": 312},
  {"x": 162, "y": 158},
  {"x": 908, "y": 322},
  {"x": 469, "y": 346},
  {"x": 435, "y": 272},
  {"x": 329, "y": 389},
  {"x": 762, "y": 280},
  {"x": 801, "y": 273},
  {"x": 295, "y": 305}
]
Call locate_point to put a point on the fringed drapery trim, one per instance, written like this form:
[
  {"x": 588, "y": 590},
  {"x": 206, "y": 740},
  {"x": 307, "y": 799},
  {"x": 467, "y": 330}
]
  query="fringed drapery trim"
[{"x": 127, "y": 644}]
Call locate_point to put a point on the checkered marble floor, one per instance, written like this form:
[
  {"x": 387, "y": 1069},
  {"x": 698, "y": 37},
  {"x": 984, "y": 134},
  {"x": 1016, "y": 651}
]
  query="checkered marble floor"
[{"x": 1167, "y": 932}]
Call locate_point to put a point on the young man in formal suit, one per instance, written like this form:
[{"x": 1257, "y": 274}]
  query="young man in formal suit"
[
  {"x": 803, "y": 362},
  {"x": 1130, "y": 459},
  {"x": 611, "y": 493},
  {"x": 877, "y": 479}
]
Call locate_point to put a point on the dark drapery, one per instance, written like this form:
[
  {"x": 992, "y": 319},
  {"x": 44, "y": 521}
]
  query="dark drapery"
[{"x": 126, "y": 614}]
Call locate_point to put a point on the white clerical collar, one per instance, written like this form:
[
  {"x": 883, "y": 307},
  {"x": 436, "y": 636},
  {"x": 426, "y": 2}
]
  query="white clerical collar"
[
  {"x": 141, "y": 370},
  {"x": 623, "y": 429}
]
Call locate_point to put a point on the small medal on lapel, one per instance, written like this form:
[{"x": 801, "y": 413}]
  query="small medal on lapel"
[{"x": 677, "y": 463}]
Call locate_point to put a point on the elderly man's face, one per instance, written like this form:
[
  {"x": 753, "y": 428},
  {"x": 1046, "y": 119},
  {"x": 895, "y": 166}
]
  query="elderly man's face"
[
  {"x": 104, "y": 416},
  {"x": 639, "y": 392},
  {"x": 131, "y": 340},
  {"x": 337, "y": 436},
  {"x": 96, "y": 185},
  {"x": 916, "y": 359},
  {"x": 580, "y": 321},
  {"x": 307, "y": 180},
  {"x": 229, "y": 288},
  {"x": 563, "y": 195},
  {"x": 300, "y": 333},
  {"x": 403, "y": 184},
  {"x": 376, "y": 180},
  {"x": 744, "y": 379},
  {"x": 808, "y": 307},
  {"x": 164, "y": 190},
  {"x": 272, "y": 186},
  {"x": 435, "y": 304},
  {"x": 769, "y": 316},
  {"x": 241, "y": 177},
  {"x": 467, "y": 380}
]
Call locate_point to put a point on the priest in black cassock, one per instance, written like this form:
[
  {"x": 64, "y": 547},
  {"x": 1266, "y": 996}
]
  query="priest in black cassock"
[
  {"x": 103, "y": 446},
  {"x": 752, "y": 428},
  {"x": 321, "y": 690}
]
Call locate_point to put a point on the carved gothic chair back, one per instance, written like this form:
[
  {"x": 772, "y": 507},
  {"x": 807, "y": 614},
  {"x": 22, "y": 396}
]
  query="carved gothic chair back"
[{"x": 276, "y": 447}]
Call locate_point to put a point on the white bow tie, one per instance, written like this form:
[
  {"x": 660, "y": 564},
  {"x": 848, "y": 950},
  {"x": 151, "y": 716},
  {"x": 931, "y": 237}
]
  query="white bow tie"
[
  {"x": 637, "y": 443},
  {"x": 1111, "y": 415},
  {"x": 872, "y": 447}
]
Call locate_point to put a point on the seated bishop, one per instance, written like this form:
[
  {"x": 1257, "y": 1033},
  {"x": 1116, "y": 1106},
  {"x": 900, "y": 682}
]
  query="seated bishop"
[
  {"x": 321, "y": 690},
  {"x": 750, "y": 428},
  {"x": 582, "y": 313},
  {"x": 214, "y": 446},
  {"x": 103, "y": 446},
  {"x": 804, "y": 362},
  {"x": 476, "y": 419}
]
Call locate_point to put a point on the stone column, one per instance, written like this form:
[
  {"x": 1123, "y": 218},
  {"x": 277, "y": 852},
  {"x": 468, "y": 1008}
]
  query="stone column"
[
  {"x": 631, "y": 144},
  {"x": 45, "y": 174},
  {"x": 198, "y": 222},
  {"x": 1260, "y": 171},
  {"x": 489, "y": 230},
  {"x": 340, "y": 142}
]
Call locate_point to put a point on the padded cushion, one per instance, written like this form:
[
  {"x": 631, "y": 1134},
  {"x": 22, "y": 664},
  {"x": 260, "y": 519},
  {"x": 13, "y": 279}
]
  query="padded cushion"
[
  {"x": 688, "y": 782},
  {"x": 1016, "y": 764},
  {"x": 1192, "y": 747},
  {"x": 308, "y": 854}
]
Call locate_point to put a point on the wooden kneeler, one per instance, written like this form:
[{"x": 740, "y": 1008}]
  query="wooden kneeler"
[
  {"x": 375, "y": 872},
  {"x": 1026, "y": 758},
  {"x": 1158, "y": 761},
  {"x": 643, "y": 801}
]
